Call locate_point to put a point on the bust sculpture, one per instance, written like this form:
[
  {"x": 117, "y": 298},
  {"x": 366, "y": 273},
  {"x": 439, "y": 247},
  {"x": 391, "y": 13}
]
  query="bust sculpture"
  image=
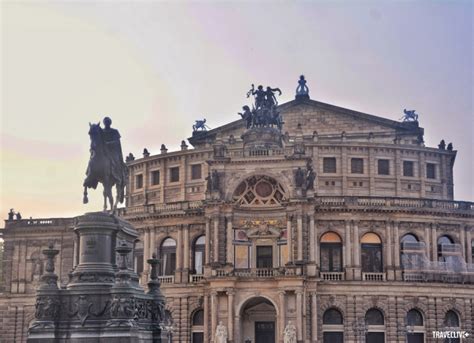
[
  {"x": 221, "y": 333},
  {"x": 289, "y": 335}
]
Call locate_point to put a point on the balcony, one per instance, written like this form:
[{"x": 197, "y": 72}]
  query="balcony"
[
  {"x": 450, "y": 248},
  {"x": 166, "y": 279},
  {"x": 195, "y": 278},
  {"x": 413, "y": 246},
  {"x": 373, "y": 276},
  {"x": 259, "y": 273},
  {"x": 332, "y": 276}
]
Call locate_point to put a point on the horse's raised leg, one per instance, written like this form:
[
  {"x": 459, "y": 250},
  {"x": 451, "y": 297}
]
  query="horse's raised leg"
[{"x": 111, "y": 197}]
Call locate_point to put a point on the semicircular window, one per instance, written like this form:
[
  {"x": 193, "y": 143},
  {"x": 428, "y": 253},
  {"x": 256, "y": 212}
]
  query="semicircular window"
[{"x": 259, "y": 190}]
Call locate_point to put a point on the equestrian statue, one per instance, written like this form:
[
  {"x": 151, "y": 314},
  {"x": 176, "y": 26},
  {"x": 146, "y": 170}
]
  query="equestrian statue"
[{"x": 106, "y": 164}]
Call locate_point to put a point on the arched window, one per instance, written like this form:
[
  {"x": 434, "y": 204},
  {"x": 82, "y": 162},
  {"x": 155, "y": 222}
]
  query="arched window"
[
  {"x": 197, "y": 329},
  {"x": 375, "y": 324},
  {"x": 411, "y": 252},
  {"x": 444, "y": 243},
  {"x": 451, "y": 323},
  {"x": 371, "y": 249},
  {"x": 168, "y": 256},
  {"x": 198, "y": 254},
  {"x": 259, "y": 190},
  {"x": 415, "y": 327},
  {"x": 333, "y": 326},
  {"x": 331, "y": 252}
]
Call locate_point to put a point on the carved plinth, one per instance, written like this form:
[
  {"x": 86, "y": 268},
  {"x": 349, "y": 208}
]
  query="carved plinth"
[
  {"x": 103, "y": 301},
  {"x": 262, "y": 138}
]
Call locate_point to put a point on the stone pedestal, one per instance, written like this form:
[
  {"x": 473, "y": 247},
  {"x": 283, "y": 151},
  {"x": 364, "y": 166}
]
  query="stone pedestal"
[{"x": 103, "y": 301}]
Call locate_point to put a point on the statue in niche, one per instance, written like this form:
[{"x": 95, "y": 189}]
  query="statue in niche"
[
  {"x": 37, "y": 268},
  {"x": 310, "y": 177},
  {"x": 299, "y": 177},
  {"x": 221, "y": 333},
  {"x": 289, "y": 334}
]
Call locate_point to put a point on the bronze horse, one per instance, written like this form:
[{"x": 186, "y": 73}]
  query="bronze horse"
[{"x": 105, "y": 168}]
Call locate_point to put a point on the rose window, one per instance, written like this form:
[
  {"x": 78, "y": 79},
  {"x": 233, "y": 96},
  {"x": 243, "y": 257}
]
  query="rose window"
[{"x": 259, "y": 190}]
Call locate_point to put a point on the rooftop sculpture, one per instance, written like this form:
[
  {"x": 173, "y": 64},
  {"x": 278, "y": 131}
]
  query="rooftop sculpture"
[
  {"x": 106, "y": 163},
  {"x": 409, "y": 116},
  {"x": 264, "y": 110},
  {"x": 200, "y": 125}
]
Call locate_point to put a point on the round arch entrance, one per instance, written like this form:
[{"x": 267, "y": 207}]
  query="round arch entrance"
[{"x": 258, "y": 321}]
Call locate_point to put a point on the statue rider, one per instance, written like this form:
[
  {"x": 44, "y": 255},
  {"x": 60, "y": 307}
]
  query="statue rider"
[
  {"x": 259, "y": 96},
  {"x": 114, "y": 150},
  {"x": 270, "y": 97}
]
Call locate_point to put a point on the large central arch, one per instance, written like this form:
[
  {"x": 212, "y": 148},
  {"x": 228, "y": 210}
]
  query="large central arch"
[{"x": 258, "y": 320}]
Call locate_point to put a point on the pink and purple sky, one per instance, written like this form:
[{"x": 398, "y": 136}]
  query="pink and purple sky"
[{"x": 155, "y": 67}]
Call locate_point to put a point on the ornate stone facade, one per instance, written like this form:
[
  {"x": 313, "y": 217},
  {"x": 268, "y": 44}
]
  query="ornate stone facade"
[{"x": 375, "y": 237}]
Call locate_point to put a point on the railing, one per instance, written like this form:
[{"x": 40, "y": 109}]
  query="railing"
[
  {"x": 373, "y": 276},
  {"x": 166, "y": 279},
  {"x": 193, "y": 278},
  {"x": 414, "y": 246},
  {"x": 257, "y": 272},
  {"x": 161, "y": 208},
  {"x": 332, "y": 276},
  {"x": 38, "y": 222},
  {"x": 450, "y": 248}
]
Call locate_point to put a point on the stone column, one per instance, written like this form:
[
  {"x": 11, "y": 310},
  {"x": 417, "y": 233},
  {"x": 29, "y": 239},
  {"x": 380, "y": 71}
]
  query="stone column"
[
  {"x": 230, "y": 238},
  {"x": 179, "y": 250},
  {"x": 389, "y": 244},
  {"x": 207, "y": 252},
  {"x": 206, "y": 318},
  {"x": 230, "y": 315},
  {"x": 314, "y": 317},
  {"x": 215, "y": 242},
  {"x": 312, "y": 239},
  {"x": 152, "y": 241},
  {"x": 186, "y": 247},
  {"x": 289, "y": 234},
  {"x": 282, "y": 311},
  {"x": 462, "y": 240},
  {"x": 396, "y": 239},
  {"x": 146, "y": 253},
  {"x": 316, "y": 243},
  {"x": 213, "y": 314},
  {"x": 356, "y": 242},
  {"x": 237, "y": 336},
  {"x": 427, "y": 241},
  {"x": 469, "y": 244},
  {"x": 348, "y": 245},
  {"x": 299, "y": 315},
  {"x": 434, "y": 242},
  {"x": 299, "y": 224}
]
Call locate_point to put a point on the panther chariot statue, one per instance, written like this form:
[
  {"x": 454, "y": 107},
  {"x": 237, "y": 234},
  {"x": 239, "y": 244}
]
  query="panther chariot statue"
[
  {"x": 200, "y": 125},
  {"x": 106, "y": 165},
  {"x": 264, "y": 112},
  {"x": 409, "y": 116}
]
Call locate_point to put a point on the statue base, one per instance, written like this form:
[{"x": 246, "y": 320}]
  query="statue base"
[
  {"x": 262, "y": 138},
  {"x": 103, "y": 301}
]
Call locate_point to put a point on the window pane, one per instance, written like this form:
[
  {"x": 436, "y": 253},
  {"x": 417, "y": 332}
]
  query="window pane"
[
  {"x": 408, "y": 168},
  {"x": 139, "y": 181},
  {"x": 264, "y": 256},
  {"x": 195, "y": 171},
  {"x": 329, "y": 165},
  {"x": 451, "y": 319},
  {"x": 155, "y": 177},
  {"x": 372, "y": 258},
  {"x": 198, "y": 318},
  {"x": 414, "y": 318},
  {"x": 374, "y": 317},
  {"x": 415, "y": 338},
  {"x": 375, "y": 337},
  {"x": 198, "y": 262},
  {"x": 333, "y": 337},
  {"x": 431, "y": 171},
  {"x": 332, "y": 317},
  {"x": 174, "y": 174},
  {"x": 383, "y": 167},
  {"x": 357, "y": 166}
]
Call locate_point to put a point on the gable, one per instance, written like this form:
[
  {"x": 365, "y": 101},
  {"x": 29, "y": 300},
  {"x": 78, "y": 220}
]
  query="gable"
[{"x": 305, "y": 117}]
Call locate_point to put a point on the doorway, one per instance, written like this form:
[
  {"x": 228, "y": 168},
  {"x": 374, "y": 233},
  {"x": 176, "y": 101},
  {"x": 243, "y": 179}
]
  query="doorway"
[{"x": 264, "y": 332}]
